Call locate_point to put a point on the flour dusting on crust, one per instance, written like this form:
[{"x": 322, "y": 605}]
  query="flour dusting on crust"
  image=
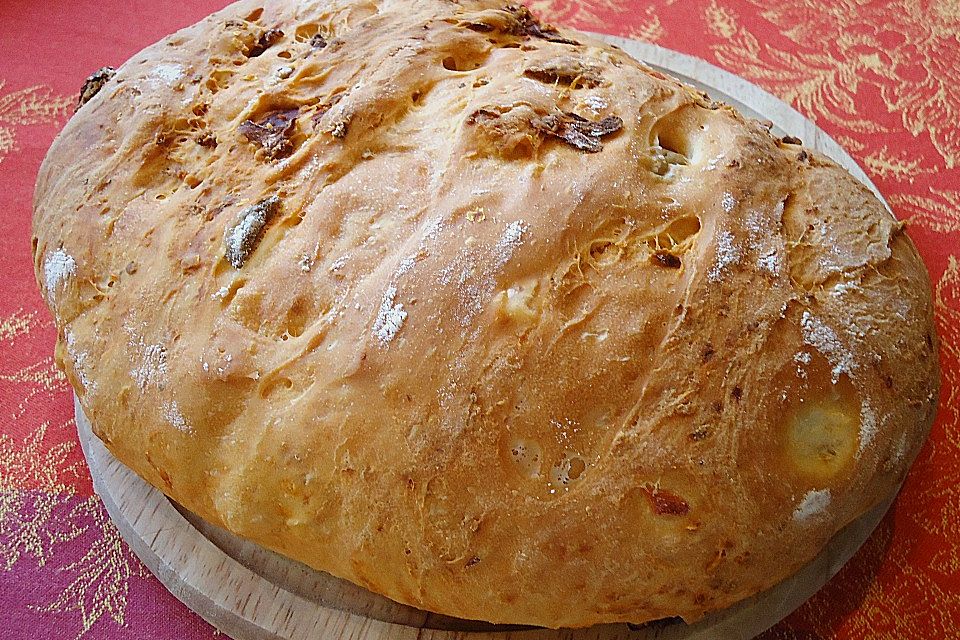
[
  {"x": 474, "y": 280},
  {"x": 728, "y": 202},
  {"x": 511, "y": 239},
  {"x": 173, "y": 415},
  {"x": 765, "y": 239},
  {"x": 802, "y": 359},
  {"x": 166, "y": 73},
  {"x": 152, "y": 369},
  {"x": 390, "y": 318},
  {"x": 812, "y": 504},
  {"x": 149, "y": 360},
  {"x": 769, "y": 262},
  {"x": 57, "y": 268},
  {"x": 842, "y": 288},
  {"x": 900, "y": 450},
  {"x": 868, "y": 425},
  {"x": 596, "y": 103},
  {"x": 433, "y": 229},
  {"x": 80, "y": 363},
  {"x": 305, "y": 263},
  {"x": 405, "y": 265},
  {"x": 825, "y": 340},
  {"x": 728, "y": 254},
  {"x": 430, "y": 233}
]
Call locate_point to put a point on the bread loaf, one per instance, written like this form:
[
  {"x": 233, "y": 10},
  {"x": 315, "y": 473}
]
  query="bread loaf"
[{"x": 477, "y": 313}]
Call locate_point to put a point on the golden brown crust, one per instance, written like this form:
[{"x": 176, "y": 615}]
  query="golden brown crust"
[{"x": 531, "y": 334}]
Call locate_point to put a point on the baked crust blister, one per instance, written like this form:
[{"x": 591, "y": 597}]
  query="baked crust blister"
[{"x": 480, "y": 314}]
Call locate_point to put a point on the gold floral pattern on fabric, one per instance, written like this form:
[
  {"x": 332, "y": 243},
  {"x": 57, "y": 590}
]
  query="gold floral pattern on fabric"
[
  {"x": 42, "y": 519},
  {"x": 45, "y": 516},
  {"x": 644, "y": 23},
  {"x": 101, "y": 576},
  {"x": 899, "y": 165},
  {"x": 38, "y": 377},
  {"x": 38, "y": 462},
  {"x": 33, "y": 105},
  {"x": 835, "y": 52},
  {"x": 939, "y": 211}
]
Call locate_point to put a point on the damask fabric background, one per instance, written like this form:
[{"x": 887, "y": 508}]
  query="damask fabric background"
[{"x": 882, "y": 77}]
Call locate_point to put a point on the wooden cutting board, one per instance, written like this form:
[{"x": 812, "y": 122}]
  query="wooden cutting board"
[{"x": 250, "y": 593}]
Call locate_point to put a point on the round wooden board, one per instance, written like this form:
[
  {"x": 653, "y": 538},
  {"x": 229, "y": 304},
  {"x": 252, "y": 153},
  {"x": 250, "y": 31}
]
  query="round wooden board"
[{"x": 250, "y": 593}]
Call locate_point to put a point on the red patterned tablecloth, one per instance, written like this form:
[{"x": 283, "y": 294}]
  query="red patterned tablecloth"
[{"x": 882, "y": 77}]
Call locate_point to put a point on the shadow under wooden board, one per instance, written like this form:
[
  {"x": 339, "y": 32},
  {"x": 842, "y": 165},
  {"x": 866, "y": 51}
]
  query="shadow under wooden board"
[{"x": 250, "y": 593}]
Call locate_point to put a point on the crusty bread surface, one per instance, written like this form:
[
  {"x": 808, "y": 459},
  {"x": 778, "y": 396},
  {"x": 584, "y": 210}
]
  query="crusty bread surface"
[{"x": 480, "y": 314}]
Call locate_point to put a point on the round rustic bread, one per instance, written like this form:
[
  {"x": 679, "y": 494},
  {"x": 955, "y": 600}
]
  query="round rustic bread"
[{"x": 479, "y": 314}]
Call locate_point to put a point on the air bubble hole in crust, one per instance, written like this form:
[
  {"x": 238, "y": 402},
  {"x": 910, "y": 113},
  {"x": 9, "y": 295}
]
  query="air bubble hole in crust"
[
  {"x": 606, "y": 247},
  {"x": 306, "y": 31},
  {"x": 677, "y": 237},
  {"x": 272, "y": 386},
  {"x": 567, "y": 471},
  {"x": 296, "y": 320},
  {"x": 232, "y": 290},
  {"x": 254, "y": 15},
  {"x": 452, "y": 63},
  {"x": 603, "y": 253},
  {"x": 675, "y": 134},
  {"x": 527, "y": 455},
  {"x": 218, "y": 80}
]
